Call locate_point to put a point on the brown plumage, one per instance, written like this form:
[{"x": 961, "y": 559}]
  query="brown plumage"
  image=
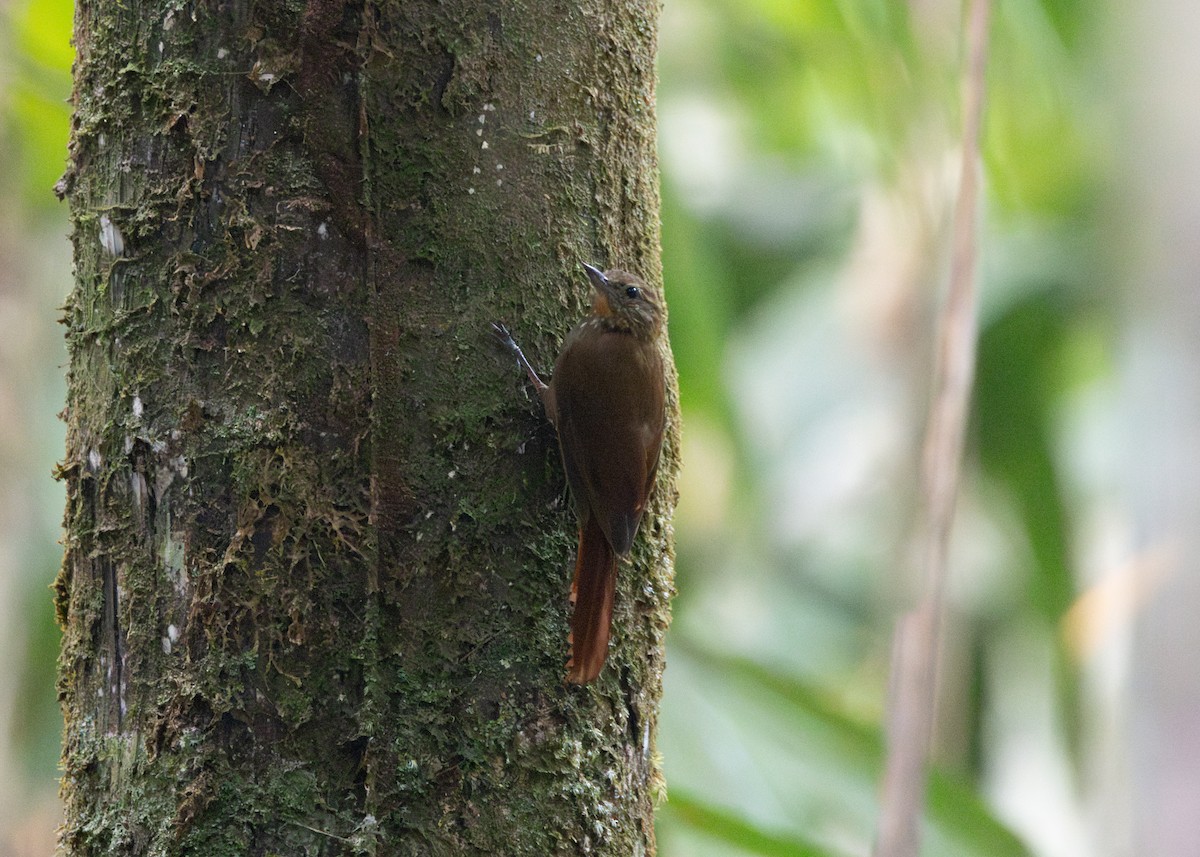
[{"x": 607, "y": 401}]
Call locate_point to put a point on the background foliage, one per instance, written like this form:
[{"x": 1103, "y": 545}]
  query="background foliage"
[
  {"x": 808, "y": 156},
  {"x": 808, "y": 162}
]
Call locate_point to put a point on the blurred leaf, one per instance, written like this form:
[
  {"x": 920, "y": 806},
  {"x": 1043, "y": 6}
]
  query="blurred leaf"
[
  {"x": 700, "y": 311},
  {"x": 43, "y": 30},
  {"x": 721, "y": 269},
  {"x": 965, "y": 817},
  {"x": 35, "y": 57},
  {"x": 37, "y": 720},
  {"x": 830, "y": 64},
  {"x": 1017, "y": 389},
  {"x": 41, "y": 128},
  {"x": 804, "y": 729},
  {"x": 1069, "y": 18},
  {"x": 952, "y": 804},
  {"x": 735, "y": 831},
  {"x": 1043, "y": 150}
]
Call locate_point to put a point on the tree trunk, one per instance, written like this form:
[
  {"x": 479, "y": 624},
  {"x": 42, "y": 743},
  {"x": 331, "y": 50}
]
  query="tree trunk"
[{"x": 318, "y": 549}]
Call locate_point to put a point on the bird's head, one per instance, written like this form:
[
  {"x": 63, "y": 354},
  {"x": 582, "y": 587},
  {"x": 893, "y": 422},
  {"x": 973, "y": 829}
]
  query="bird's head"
[{"x": 624, "y": 302}]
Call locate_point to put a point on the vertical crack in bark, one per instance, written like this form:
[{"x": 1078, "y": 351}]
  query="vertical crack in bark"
[
  {"x": 327, "y": 82},
  {"x": 116, "y": 684}
]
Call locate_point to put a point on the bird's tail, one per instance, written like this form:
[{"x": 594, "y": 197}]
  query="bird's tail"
[{"x": 592, "y": 591}]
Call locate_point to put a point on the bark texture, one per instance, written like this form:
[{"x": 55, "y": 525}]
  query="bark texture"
[{"x": 317, "y": 541}]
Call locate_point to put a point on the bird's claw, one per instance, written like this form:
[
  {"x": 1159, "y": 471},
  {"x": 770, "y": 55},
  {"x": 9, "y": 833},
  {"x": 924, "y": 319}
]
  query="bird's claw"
[{"x": 503, "y": 335}]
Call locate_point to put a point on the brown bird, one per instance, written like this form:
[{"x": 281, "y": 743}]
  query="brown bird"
[{"x": 607, "y": 401}]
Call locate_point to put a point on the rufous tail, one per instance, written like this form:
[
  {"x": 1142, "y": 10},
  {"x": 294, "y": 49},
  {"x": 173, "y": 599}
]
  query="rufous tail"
[{"x": 592, "y": 591}]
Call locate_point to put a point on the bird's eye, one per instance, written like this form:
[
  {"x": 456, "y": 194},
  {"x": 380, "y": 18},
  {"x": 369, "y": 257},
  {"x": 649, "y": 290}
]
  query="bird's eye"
[{"x": 633, "y": 293}]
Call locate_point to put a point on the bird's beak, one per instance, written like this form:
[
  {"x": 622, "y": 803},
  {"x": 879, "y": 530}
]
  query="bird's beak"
[
  {"x": 601, "y": 289},
  {"x": 599, "y": 281}
]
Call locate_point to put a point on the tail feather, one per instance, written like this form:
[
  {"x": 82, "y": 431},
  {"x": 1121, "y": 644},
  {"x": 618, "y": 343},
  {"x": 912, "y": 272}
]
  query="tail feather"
[{"x": 592, "y": 592}]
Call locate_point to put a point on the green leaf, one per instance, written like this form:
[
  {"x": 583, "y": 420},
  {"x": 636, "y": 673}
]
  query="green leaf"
[
  {"x": 730, "y": 828},
  {"x": 802, "y": 729}
]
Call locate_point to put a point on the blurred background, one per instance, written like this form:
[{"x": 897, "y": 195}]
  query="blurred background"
[{"x": 809, "y": 168}]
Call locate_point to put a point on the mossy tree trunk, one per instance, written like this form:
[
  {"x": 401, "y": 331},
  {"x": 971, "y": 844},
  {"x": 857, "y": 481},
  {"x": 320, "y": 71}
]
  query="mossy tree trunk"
[{"x": 318, "y": 549}]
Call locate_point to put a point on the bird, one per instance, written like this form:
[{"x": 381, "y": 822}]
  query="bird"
[{"x": 607, "y": 402}]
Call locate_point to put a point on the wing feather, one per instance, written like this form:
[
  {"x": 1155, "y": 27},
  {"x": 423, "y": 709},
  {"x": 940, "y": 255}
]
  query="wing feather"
[{"x": 608, "y": 394}]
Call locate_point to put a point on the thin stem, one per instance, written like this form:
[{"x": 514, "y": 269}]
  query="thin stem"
[{"x": 915, "y": 646}]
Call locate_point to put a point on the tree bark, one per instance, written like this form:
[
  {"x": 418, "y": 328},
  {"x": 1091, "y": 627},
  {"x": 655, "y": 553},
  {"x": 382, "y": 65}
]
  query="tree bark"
[{"x": 317, "y": 545}]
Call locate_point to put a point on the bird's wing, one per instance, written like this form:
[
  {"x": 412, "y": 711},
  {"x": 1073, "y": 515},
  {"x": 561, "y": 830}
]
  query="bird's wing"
[{"x": 608, "y": 395}]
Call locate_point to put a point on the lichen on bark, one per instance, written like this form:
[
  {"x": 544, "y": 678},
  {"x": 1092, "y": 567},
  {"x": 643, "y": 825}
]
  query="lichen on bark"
[{"x": 317, "y": 549}]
